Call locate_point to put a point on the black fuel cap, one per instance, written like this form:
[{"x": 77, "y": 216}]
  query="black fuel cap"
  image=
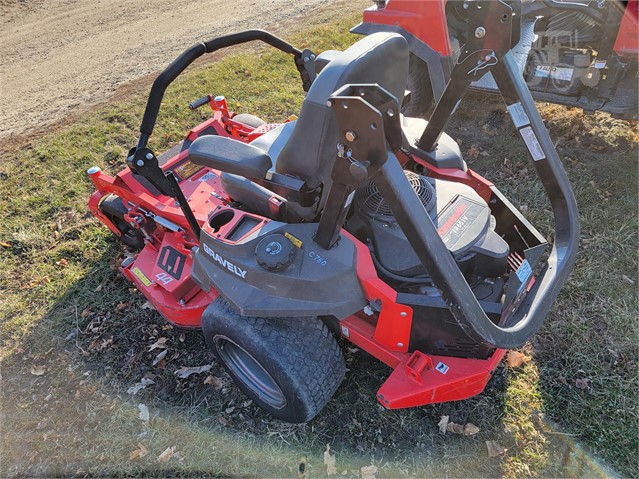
[{"x": 275, "y": 253}]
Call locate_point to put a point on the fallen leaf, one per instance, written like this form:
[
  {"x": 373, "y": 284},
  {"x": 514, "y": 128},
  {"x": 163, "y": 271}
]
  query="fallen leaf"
[
  {"x": 63, "y": 262},
  {"x": 494, "y": 449},
  {"x": 160, "y": 357},
  {"x": 214, "y": 381},
  {"x": 158, "y": 344},
  {"x": 141, "y": 451},
  {"x": 627, "y": 279},
  {"x": 36, "y": 282},
  {"x": 144, "y": 412},
  {"x": 137, "y": 387},
  {"x": 101, "y": 344},
  {"x": 38, "y": 370},
  {"x": 470, "y": 429},
  {"x": 515, "y": 359},
  {"x": 473, "y": 152},
  {"x": 368, "y": 472},
  {"x": 455, "y": 428},
  {"x": 122, "y": 306},
  {"x": 147, "y": 305},
  {"x": 98, "y": 289},
  {"x": 86, "y": 313},
  {"x": 186, "y": 372},
  {"x": 182, "y": 337},
  {"x": 4, "y": 244},
  {"x": 329, "y": 461},
  {"x": 167, "y": 454},
  {"x": 225, "y": 421},
  {"x": 443, "y": 424},
  {"x": 582, "y": 383}
]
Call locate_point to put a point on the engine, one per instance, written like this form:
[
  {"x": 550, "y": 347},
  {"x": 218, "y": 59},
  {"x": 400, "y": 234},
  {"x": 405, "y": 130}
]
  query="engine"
[{"x": 463, "y": 220}]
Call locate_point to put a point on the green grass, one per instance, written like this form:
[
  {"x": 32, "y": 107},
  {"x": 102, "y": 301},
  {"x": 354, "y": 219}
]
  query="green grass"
[{"x": 60, "y": 291}]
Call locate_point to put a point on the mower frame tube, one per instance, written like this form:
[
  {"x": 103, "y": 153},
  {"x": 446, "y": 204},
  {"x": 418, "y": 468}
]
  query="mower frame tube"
[{"x": 171, "y": 72}]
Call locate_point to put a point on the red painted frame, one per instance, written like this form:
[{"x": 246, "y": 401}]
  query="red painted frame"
[
  {"x": 424, "y": 19},
  {"x": 627, "y": 42}
]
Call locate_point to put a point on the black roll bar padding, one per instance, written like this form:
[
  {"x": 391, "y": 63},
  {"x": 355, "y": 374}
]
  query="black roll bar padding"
[
  {"x": 178, "y": 65},
  {"x": 434, "y": 255}
]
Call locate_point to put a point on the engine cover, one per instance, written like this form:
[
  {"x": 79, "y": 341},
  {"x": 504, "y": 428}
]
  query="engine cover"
[{"x": 462, "y": 217}]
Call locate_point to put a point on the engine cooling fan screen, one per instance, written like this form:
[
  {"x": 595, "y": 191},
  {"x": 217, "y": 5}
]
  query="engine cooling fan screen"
[{"x": 370, "y": 201}]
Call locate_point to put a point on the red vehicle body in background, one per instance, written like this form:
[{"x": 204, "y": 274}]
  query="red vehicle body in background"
[{"x": 576, "y": 54}]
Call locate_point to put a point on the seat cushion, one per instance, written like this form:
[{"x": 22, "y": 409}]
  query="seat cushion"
[
  {"x": 446, "y": 154},
  {"x": 231, "y": 156},
  {"x": 273, "y": 141}
]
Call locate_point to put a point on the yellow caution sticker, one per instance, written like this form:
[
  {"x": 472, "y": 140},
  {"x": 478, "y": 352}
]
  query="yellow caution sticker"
[
  {"x": 296, "y": 242},
  {"x": 141, "y": 276}
]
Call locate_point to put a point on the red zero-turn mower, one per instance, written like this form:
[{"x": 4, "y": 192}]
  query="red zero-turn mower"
[{"x": 353, "y": 220}]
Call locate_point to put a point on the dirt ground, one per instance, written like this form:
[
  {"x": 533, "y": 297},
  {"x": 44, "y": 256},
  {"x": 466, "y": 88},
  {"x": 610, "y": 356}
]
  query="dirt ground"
[{"x": 59, "y": 57}]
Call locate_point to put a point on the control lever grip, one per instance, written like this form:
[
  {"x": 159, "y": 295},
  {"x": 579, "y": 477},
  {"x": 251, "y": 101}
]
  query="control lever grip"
[{"x": 194, "y": 105}]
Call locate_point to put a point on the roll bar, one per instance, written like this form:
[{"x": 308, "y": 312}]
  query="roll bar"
[
  {"x": 171, "y": 72},
  {"x": 491, "y": 36}
]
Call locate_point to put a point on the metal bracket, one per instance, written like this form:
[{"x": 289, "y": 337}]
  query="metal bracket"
[
  {"x": 368, "y": 118},
  {"x": 142, "y": 161},
  {"x": 493, "y": 29}
]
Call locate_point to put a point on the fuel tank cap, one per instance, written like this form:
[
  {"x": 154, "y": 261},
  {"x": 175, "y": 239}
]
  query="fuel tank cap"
[{"x": 275, "y": 252}]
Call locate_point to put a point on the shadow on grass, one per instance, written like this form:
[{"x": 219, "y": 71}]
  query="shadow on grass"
[{"x": 96, "y": 342}]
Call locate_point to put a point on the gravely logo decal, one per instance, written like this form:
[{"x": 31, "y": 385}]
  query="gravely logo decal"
[{"x": 224, "y": 262}]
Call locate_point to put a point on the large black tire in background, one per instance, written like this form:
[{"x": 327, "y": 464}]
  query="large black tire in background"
[
  {"x": 290, "y": 367},
  {"x": 418, "y": 83}
]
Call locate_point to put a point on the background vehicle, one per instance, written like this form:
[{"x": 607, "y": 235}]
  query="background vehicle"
[{"x": 576, "y": 54}]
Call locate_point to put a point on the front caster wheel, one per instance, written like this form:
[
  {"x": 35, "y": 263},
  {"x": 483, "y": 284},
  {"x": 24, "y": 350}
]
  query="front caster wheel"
[{"x": 290, "y": 367}]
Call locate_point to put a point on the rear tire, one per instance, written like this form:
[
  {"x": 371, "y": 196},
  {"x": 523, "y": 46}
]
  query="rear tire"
[
  {"x": 290, "y": 367},
  {"x": 418, "y": 83}
]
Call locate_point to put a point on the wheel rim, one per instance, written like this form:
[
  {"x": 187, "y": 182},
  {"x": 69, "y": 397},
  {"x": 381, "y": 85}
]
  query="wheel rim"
[{"x": 250, "y": 372}]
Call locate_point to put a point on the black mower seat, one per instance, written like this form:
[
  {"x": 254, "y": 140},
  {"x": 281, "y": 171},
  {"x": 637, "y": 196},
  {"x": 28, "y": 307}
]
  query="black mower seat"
[
  {"x": 273, "y": 141},
  {"x": 231, "y": 156},
  {"x": 306, "y": 149}
]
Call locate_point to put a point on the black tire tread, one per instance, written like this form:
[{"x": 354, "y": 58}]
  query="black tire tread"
[
  {"x": 419, "y": 85},
  {"x": 304, "y": 350}
]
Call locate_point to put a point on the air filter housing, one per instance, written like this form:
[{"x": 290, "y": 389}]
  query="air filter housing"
[{"x": 370, "y": 200}]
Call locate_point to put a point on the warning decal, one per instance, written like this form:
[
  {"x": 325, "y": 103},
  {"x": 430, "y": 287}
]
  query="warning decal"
[
  {"x": 141, "y": 276},
  {"x": 532, "y": 143},
  {"x": 518, "y": 115}
]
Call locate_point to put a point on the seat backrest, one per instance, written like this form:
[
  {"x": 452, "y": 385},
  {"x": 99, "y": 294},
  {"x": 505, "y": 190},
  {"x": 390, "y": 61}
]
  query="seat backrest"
[{"x": 311, "y": 149}]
